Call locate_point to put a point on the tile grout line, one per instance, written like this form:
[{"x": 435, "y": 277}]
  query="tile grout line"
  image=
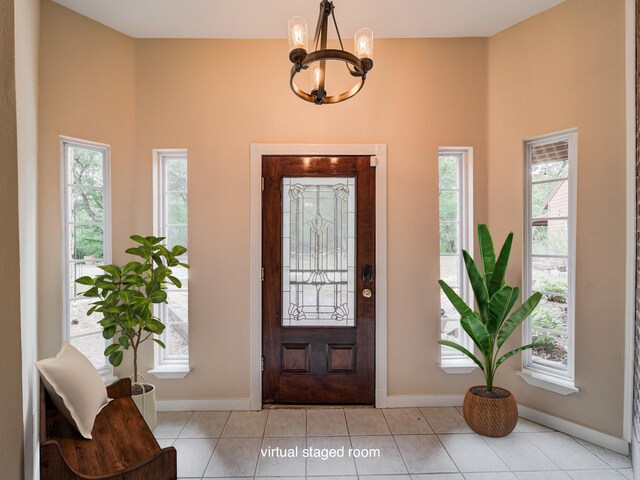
[{"x": 217, "y": 443}]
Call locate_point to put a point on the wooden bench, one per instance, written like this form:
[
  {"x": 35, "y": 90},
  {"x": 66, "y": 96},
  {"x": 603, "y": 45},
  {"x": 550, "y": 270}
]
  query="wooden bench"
[{"x": 122, "y": 448}]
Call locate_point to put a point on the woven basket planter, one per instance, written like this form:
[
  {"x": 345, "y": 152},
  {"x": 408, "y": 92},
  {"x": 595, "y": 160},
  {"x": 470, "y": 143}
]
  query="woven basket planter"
[{"x": 492, "y": 417}]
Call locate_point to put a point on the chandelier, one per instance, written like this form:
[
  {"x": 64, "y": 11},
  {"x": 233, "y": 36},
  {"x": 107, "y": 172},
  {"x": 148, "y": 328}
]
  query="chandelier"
[{"x": 358, "y": 65}]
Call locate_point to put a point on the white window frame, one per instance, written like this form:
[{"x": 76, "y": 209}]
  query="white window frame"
[
  {"x": 106, "y": 370},
  {"x": 536, "y": 372},
  {"x": 165, "y": 366},
  {"x": 452, "y": 361}
]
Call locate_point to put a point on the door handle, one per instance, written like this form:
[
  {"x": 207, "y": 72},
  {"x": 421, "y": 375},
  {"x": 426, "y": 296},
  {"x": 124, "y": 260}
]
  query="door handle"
[{"x": 367, "y": 273}]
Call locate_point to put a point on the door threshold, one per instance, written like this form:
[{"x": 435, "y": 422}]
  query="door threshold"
[{"x": 278, "y": 406}]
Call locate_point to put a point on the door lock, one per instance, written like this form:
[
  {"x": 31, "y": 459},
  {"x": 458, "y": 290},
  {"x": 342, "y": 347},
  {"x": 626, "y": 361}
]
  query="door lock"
[{"x": 367, "y": 274}]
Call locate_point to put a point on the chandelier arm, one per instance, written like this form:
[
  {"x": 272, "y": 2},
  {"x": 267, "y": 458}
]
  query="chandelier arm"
[
  {"x": 316, "y": 37},
  {"x": 337, "y": 29}
]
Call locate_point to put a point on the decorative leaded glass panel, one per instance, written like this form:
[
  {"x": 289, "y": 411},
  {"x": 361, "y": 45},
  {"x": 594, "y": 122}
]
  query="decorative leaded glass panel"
[{"x": 318, "y": 252}]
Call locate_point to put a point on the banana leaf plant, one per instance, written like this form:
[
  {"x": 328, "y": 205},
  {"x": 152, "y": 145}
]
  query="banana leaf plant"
[
  {"x": 491, "y": 326},
  {"x": 125, "y": 296}
]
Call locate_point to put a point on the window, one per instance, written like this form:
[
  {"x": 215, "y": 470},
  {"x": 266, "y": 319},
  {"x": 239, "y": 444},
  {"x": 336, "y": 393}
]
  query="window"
[
  {"x": 456, "y": 234},
  {"x": 549, "y": 255},
  {"x": 87, "y": 241},
  {"x": 171, "y": 204}
]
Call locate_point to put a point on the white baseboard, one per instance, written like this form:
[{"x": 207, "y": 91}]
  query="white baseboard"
[
  {"x": 635, "y": 456},
  {"x": 204, "y": 404},
  {"x": 596, "y": 437},
  {"x": 400, "y": 401}
]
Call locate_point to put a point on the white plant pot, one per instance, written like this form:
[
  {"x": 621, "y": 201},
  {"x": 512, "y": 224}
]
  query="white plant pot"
[{"x": 146, "y": 403}]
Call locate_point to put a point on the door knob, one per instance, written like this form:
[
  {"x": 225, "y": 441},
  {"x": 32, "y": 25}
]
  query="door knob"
[{"x": 366, "y": 293}]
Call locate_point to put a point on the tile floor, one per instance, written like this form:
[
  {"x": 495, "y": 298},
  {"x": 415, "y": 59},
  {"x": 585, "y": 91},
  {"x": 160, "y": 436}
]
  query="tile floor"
[{"x": 413, "y": 444}]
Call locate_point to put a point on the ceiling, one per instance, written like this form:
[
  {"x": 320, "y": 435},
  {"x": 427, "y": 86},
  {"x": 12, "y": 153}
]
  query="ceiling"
[{"x": 268, "y": 18}]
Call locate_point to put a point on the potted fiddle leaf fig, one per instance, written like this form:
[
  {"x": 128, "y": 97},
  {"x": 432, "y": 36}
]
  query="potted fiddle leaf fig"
[
  {"x": 490, "y": 410},
  {"x": 125, "y": 296}
]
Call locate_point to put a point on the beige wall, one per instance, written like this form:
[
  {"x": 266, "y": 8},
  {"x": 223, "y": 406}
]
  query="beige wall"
[
  {"x": 562, "y": 69},
  {"x": 215, "y": 97},
  {"x": 86, "y": 91},
  {"x": 11, "y": 447}
]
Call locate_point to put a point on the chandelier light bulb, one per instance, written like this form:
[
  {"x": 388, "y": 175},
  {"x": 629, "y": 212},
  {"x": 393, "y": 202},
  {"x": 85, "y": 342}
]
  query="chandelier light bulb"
[
  {"x": 315, "y": 77},
  {"x": 298, "y": 34},
  {"x": 363, "y": 42}
]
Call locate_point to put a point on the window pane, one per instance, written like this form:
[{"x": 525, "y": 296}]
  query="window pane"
[
  {"x": 448, "y": 206},
  {"x": 451, "y": 331},
  {"x": 85, "y": 166},
  {"x": 85, "y": 204},
  {"x": 176, "y": 174},
  {"x": 177, "y": 340},
  {"x": 176, "y": 235},
  {"x": 318, "y": 252},
  {"x": 449, "y": 238},
  {"x": 550, "y": 275},
  {"x": 550, "y": 237},
  {"x": 447, "y": 309},
  {"x": 92, "y": 347},
  {"x": 448, "y": 172},
  {"x": 77, "y": 270},
  {"x": 450, "y": 270},
  {"x": 176, "y": 208},
  {"x": 549, "y": 325},
  {"x": 550, "y": 199},
  {"x": 178, "y": 307},
  {"x": 86, "y": 242},
  {"x": 80, "y": 322},
  {"x": 549, "y": 170}
]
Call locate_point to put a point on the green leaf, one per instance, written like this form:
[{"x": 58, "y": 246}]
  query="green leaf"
[
  {"x": 85, "y": 280},
  {"x": 156, "y": 240},
  {"x": 112, "y": 270},
  {"x": 124, "y": 341},
  {"x": 515, "y": 294},
  {"x": 160, "y": 343},
  {"x": 513, "y": 352},
  {"x": 185, "y": 265},
  {"x": 109, "y": 332},
  {"x": 178, "y": 250},
  {"x": 514, "y": 321},
  {"x": 457, "y": 302},
  {"x": 486, "y": 251},
  {"x": 114, "y": 347},
  {"x": 91, "y": 310},
  {"x": 130, "y": 266},
  {"x": 115, "y": 358},
  {"x": 155, "y": 326},
  {"x": 478, "y": 333},
  {"x": 460, "y": 348},
  {"x": 138, "y": 239},
  {"x": 477, "y": 284},
  {"x": 92, "y": 292},
  {"x": 497, "y": 279},
  {"x": 158, "y": 296},
  {"x": 498, "y": 309},
  {"x": 175, "y": 281}
]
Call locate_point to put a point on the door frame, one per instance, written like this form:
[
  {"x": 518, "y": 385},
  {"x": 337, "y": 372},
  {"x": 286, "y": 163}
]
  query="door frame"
[{"x": 379, "y": 151}]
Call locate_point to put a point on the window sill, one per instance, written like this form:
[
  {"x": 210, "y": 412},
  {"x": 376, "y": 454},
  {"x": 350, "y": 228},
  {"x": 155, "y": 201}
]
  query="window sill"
[
  {"x": 455, "y": 366},
  {"x": 170, "y": 371},
  {"x": 548, "y": 382}
]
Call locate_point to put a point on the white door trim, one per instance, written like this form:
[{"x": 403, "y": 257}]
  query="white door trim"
[{"x": 380, "y": 152}]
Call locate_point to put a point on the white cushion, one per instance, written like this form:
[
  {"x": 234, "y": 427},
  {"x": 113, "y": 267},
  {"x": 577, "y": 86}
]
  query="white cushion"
[{"x": 75, "y": 387}]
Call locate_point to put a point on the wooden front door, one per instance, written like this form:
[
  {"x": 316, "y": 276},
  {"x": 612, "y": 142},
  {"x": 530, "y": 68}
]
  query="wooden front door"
[{"x": 318, "y": 292}]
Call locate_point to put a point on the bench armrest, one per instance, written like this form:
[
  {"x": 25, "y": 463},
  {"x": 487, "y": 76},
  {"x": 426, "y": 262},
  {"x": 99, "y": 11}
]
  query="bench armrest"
[{"x": 119, "y": 389}]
